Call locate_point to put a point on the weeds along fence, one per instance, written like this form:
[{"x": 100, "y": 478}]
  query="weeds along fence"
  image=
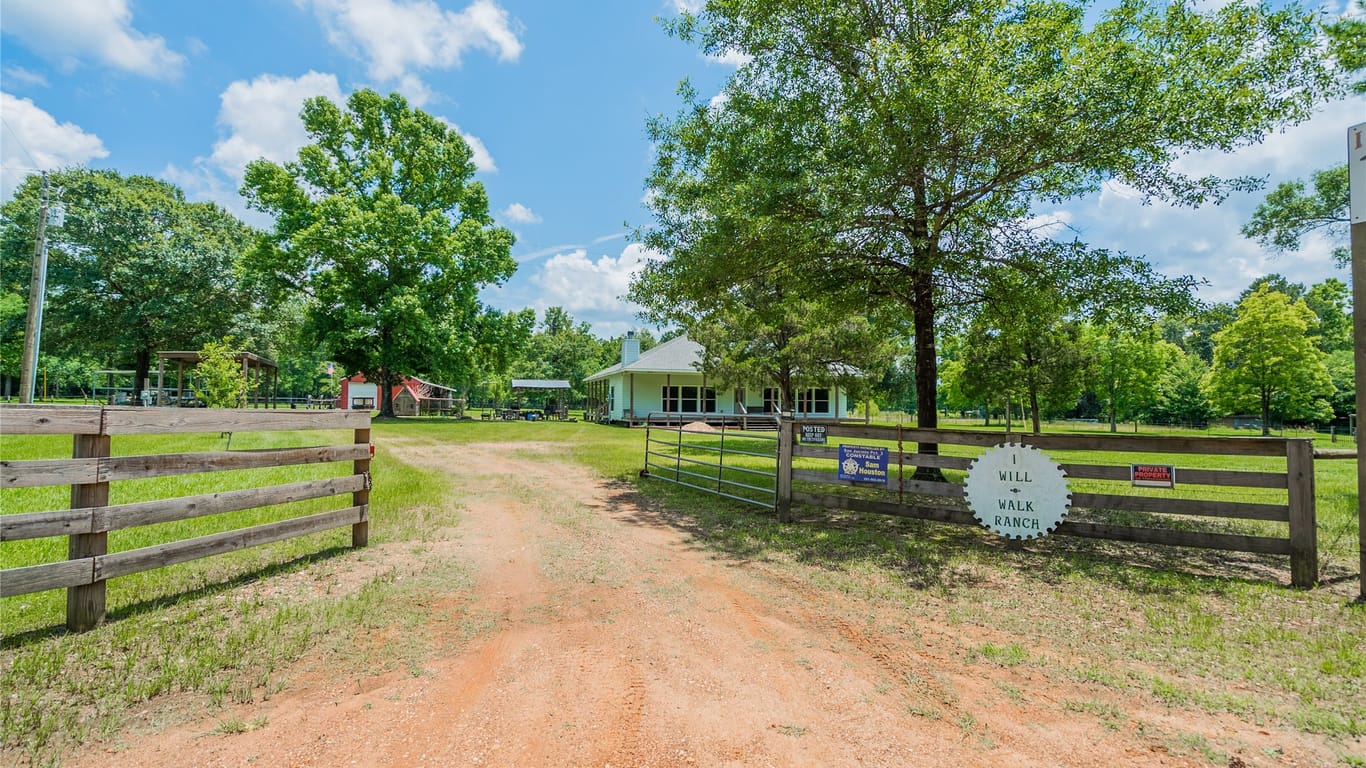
[
  {"x": 723, "y": 456},
  {"x": 1275, "y": 496},
  {"x": 93, "y": 467}
]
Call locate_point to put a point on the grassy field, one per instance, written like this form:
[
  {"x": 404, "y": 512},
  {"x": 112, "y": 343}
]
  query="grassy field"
[{"x": 1207, "y": 630}]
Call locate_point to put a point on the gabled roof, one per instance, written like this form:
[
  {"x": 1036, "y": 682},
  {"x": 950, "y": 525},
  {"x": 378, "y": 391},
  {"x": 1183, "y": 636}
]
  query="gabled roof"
[{"x": 677, "y": 355}]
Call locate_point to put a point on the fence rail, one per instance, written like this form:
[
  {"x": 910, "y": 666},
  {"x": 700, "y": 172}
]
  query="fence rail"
[
  {"x": 693, "y": 455},
  {"x": 92, "y": 468},
  {"x": 907, "y": 495}
]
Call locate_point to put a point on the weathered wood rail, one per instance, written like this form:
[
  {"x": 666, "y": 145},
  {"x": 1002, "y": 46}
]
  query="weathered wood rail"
[
  {"x": 92, "y": 468},
  {"x": 944, "y": 501}
]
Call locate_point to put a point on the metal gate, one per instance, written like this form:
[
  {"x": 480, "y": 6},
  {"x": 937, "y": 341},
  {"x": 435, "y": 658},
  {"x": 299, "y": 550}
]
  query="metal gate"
[{"x": 716, "y": 454}]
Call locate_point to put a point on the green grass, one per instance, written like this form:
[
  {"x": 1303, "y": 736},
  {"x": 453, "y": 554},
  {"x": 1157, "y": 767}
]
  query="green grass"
[
  {"x": 1208, "y": 622},
  {"x": 216, "y": 627},
  {"x": 1180, "y": 628}
]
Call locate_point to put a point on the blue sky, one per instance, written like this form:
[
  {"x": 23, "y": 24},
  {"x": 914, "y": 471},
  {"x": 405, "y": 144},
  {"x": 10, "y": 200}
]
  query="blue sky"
[{"x": 553, "y": 96}]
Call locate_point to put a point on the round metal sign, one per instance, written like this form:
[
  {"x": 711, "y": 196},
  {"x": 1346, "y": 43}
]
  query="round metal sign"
[{"x": 1017, "y": 491}]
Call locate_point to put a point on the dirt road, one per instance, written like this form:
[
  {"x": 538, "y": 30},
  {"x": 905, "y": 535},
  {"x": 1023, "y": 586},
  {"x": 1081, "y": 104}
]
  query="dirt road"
[{"x": 609, "y": 639}]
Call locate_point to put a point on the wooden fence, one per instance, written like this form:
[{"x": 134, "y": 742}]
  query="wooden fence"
[
  {"x": 92, "y": 468},
  {"x": 906, "y": 496}
]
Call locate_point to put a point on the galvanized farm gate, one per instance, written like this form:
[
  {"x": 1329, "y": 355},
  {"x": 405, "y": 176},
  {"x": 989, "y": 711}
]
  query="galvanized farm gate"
[{"x": 695, "y": 454}]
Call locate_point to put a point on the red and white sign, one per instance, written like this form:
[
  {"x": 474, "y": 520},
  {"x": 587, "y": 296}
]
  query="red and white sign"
[{"x": 1153, "y": 475}]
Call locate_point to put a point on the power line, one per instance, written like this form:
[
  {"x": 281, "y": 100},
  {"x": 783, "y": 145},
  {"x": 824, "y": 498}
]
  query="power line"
[{"x": 20, "y": 142}]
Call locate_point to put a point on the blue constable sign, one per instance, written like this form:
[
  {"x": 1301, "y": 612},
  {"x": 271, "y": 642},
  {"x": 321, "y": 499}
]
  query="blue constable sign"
[{"x": 863, "y": 464}]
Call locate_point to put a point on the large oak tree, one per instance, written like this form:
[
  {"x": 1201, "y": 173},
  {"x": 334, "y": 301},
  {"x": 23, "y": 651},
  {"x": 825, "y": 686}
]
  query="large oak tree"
[
  {"x": 133, "y": 268},
  {"x": 380, "y": 223},
  {"x": 897, "y": 147}
]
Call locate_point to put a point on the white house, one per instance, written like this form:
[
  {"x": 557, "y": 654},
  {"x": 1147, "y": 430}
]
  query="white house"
[{"x": 665, "y": 383}]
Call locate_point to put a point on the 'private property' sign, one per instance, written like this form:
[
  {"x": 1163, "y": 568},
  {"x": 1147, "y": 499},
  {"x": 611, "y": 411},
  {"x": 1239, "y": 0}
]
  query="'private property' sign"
[{"x": 1152, "y": 475}]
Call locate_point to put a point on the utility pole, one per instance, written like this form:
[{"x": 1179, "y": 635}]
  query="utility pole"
[{"x": 37, "y": 290}]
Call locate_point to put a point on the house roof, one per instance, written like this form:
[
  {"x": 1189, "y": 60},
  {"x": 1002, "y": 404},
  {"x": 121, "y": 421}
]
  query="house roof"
[
  {"x": 677, "y": 355},
  {"x": 540, "y": 384}
]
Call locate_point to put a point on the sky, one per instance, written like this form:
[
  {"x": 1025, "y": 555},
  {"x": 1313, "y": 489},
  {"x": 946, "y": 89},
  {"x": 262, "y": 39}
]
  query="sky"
[{"x": 552, "y": 96}]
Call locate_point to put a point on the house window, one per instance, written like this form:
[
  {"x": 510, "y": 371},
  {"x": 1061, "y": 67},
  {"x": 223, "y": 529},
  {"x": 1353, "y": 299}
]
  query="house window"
[
  {"x": 813, "y": 400},
  {"x": 773, "y": 400},
  {"x": 611, "y": 399},
  {"x": 363, "y": 403},
  {"x": 689, "y": 399}
]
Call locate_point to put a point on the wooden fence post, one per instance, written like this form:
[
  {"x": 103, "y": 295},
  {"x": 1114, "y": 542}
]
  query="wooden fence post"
[
  {"x": 1304, "y": 548},
  {"x": 85, "y": 603},
  {"x": 784, "y": 490},
  {"x": 360, "y": 532}
]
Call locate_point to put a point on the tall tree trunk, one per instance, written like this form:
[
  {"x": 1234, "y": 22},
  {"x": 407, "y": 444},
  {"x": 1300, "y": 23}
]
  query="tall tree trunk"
[
  {"x": 386, "y": 394},
  {"x": 1113, "y": 426},
  {"x": 142, "y": 369},
  {"x": 1034, "y": 405},
  {"x": 926, "y": 369},
  {"x": 1266, "y": 414}
]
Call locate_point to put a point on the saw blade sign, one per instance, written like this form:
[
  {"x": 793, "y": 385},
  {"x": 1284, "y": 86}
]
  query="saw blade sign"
[{"x": 1017, "y": 491}]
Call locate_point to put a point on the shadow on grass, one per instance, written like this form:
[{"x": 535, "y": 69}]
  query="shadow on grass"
[
  {"x": 938, "y": 556},
  {"x": 162, "y": 602}
]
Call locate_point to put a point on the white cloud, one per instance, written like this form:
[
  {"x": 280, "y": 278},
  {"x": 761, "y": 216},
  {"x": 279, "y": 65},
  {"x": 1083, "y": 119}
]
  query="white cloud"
[
  {"x": 70, "y": 31},
  {"x": 24, "y": 77},
  {"x": 1207, "y": 242},
  {"x": 1048, "y": 224},
  {"x": 257, "y": 119},
  {"x": 1294, "y": 152},
  {"x": 483, "y": 161},
  {"x": 396, "y": 37},
  {"x": 34, "y": 140},
  {"x": 577, "y": 283},
  {"x": 261, "y": 118},
  {"x": 730, "y": 58},
  {"x": 520, "y": 214}
]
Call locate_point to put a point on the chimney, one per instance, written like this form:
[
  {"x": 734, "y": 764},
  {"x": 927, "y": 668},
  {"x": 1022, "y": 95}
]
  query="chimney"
[{"x": 630, "y": 348}]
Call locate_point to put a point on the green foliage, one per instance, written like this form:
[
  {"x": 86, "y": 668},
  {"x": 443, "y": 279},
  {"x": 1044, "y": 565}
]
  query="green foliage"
[
  {"x": 1342, "y": 371},
  {"x": 1331, "y": 303},
  {"x": 896, "y": 149},
  {"x": 1129, "y": 370},
  {"x": 1290, "y": 212},
  {"x": 1181, "y": 397},
  {"x": 13, "y": 317},
  {"x": 760, "y": 334},
  {"x": 1347, "y": 42},
  {"x": 133, "y": 269},
  {"x": 219, "y": 379},
  {"x": 1265, "y": 362},
  {"x": 1021, "y": 345},
  {"x": 562, "y": 349},
  {"x": 381, "y": 226}
]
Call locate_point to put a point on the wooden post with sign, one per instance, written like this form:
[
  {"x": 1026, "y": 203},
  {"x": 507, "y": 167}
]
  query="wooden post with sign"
[
  {"x": 360, "y": 532},
  {"x": 1356, "y": 176},
  {"x": 786, "y": 428}
]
